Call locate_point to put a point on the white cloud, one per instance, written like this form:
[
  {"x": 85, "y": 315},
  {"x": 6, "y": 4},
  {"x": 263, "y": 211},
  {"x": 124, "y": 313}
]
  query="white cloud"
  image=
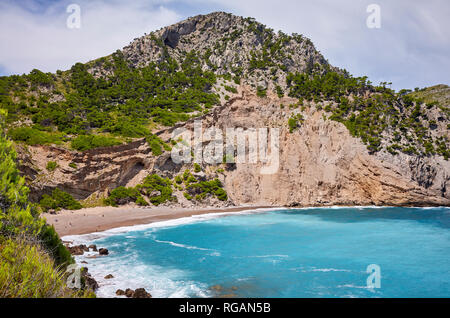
[
  {"x": 43, "y": 40},
  {"x": 411, "y": 49}
]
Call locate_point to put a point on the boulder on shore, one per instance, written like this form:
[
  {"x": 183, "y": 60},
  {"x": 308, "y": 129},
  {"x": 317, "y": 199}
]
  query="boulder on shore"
[
  {"x": 129, "y": 292},
  {"x": 89, "y": 281},
  {"x": 78, "y": 249},
  {"x": 141, "y": 293},
  {"x": 103, "y": 251},
  {"x": 138, "y": 293}
]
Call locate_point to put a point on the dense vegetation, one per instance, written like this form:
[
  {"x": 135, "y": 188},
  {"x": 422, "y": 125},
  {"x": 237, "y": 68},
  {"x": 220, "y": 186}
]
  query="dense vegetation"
[
  {"x": 59, "y": 200},
  {"x": 198, "y": 190},
  {"x": 157, "y": 189},
  {"x": 160, "y": 190},
  {"x": 123, "y": 195},
  {"x": 32, "y": 257},
  {"x": 109, "y": 97},
  {"x": 86, "y": 142},
  {"x": 157, "y": 145},
  {"x": 382, "y": 118},
  {"x": 28, "y": 271},
  {"x": 33, "y": 136},
  {"x": 120, "y": 103},
  {"x": 294, "y": 122}
]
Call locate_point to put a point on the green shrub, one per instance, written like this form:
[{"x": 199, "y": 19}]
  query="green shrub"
[
  {"x": 127, "y": 128},
  {"x": 190, "y": 179},
  {"x": 221, "y": 194},
  {"x": 27, "y": 271},
  {"x": 32, "y": 136},
  {"x": 59, "y": 200},
  {"x": 86, "y": 142},
  {"x": 186, "y": 174},
  {"x": 122, "y": 195},
  {"x": 157, "y": 145},
  {"x": 294, "y": 121},
  {"x": 279, "y": 90},
  {"x": 197, "y": 168},
  {"x": 231, "y": 89},
  {"x": 55, "y": 246},
  {"x": 292, "y": 124},
  {"x": 201, "y": 189},
  {"x": 178, "y": 179},
  {"x": 51, "y": 166},
  {"x": 261, "y": 92},
  {"x": 158, "y": 189}
]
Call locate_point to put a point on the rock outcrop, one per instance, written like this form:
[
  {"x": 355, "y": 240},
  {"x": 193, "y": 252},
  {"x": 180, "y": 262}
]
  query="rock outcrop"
[
  {"x": 103, "y": 251},
  {"x": 230, "y": 42},
  {"x": 88, "y": 280},
  {"x": 138, "y": 293},
  {"x": 320, "y": 163}
]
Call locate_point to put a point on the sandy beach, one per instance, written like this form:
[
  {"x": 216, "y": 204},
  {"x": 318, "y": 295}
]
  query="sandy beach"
[{"x": 99, "y": 219}]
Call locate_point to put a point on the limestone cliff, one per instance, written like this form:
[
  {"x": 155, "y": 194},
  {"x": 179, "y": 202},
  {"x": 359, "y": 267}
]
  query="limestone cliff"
[{"x": 320, "y": 164}]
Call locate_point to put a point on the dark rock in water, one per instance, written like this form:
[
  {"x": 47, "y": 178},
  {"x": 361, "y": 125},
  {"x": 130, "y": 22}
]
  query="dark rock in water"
[
  {"x": 216, "y": 288},
  {"x": 138, "y": 293},
  {"x": 129, "y": 292},
  {"x": 224, "y": 292},
  {"x": 89, "y": 281},
  {"x": 78, "y": 249},
  {"x": 141, "y": 293},
  {"x": 84, "y": 262},
  {"x": 109, "y": 276},
  {"x": 93, "y": 247},
  {"x": 103, "y": 251}
]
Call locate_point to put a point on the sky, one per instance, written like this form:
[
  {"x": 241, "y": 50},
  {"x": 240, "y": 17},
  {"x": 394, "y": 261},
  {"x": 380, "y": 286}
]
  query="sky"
[{"x": 410, "y": 49}]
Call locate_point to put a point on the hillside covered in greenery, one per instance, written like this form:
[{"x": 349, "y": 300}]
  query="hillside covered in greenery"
[
  {"x": 74, "y": 105},
  {"x": 381, "y": 117},
  {"x": 32, "y": 256},
  {"x": 167, "y": 77}
]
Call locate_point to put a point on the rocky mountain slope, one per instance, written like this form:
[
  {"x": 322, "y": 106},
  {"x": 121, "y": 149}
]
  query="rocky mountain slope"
[
  {"x": 233, "y": 45},
  {"x": 343, "y": 141}
]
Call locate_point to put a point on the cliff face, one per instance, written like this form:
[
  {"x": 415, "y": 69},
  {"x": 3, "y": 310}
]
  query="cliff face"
[
  {"x": 320, "y": 162},
  {"x": 94, "y": 170}
]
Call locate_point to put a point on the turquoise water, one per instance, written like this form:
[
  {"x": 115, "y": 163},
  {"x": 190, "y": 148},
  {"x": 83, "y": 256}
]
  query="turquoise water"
[{"x": 320, "y": 252}]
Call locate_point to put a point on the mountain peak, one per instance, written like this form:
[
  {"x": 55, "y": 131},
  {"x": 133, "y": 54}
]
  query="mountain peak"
[{"x": 227, "y": 44}]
